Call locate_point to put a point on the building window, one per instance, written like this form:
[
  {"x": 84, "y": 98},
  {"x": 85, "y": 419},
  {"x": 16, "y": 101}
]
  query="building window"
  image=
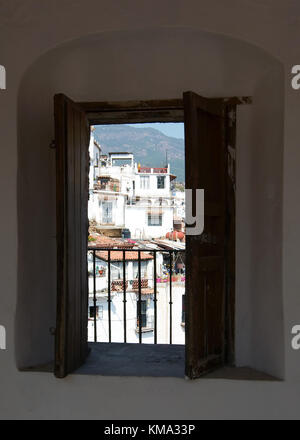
[
  {"x": 145, "y": 182},
  {"x": 97, "y": 160},
  {"x": 115, "y": 271},
  {"x": 161, "y": 182},
  {"x": 144, "y": 266},
  {"x": 99, "y": 312},
  {"x": 71, "y": 348},
  {"x": 92, "y": 312},
  {"x": 106, "y": 212},
  {"x": 143, "y": 313},
  {"x": 154, "y": 219}
]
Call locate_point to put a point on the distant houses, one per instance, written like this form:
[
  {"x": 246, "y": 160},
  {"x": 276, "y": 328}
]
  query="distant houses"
[{"x": 130, "y": 199}]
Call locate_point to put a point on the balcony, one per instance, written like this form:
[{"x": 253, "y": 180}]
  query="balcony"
[
  {"x": 137, "y": 303},
  {"x": 135, "y": 360}
]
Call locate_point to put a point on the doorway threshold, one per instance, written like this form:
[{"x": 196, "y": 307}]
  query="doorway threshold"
[{"x": 119, "y": 359}]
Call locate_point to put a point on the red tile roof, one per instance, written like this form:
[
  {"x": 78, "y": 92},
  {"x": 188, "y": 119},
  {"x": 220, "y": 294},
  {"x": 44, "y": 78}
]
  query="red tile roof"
[
  {"x": 116, "y": 255},
  {"x": 109, "y": 243},
  {"x": 116, "y": 247}
]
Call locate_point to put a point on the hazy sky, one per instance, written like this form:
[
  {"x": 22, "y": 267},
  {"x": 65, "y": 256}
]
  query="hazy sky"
[{"x": 173, "y": 129}]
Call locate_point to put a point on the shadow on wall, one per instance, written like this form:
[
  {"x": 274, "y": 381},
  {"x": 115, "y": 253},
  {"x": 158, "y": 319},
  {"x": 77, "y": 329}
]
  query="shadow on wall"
[{"x": 150, "y": 64}]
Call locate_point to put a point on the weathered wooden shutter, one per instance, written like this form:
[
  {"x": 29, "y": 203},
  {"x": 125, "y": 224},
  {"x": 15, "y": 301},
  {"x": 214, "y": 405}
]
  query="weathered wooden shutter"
[
  {"x": 205, "y": 262},
  {"x": 72, "y": 159}
]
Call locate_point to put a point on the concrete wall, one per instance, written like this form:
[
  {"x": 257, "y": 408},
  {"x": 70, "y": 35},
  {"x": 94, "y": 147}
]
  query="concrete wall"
[
  {"x": 259, "y": 228},
  {"x": 136, "y": 220},
  {"x": 134, "y": 52},
  {"x": 152, "y": 190}
]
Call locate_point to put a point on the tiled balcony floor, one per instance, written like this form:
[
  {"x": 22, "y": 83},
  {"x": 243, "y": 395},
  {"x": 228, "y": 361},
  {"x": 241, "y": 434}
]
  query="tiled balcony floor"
[{"x": 118, "y": 359}]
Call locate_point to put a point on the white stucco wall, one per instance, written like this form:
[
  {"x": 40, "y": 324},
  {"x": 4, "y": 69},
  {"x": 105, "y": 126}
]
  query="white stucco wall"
[
  {"x": 150, "y": 47},
  {"x": 259, "y": 198},
  {"x": 96, "y": 208},
  {"x": 152, "y": 189},
  {"x": 136, "y": 220}
]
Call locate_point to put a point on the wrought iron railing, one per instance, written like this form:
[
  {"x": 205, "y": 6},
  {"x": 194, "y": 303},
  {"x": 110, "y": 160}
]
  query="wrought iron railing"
[{"x": 137, "y": 285}]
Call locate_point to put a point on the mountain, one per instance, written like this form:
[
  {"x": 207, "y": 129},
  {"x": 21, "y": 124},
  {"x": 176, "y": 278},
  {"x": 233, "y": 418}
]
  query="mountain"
[{"x": 148, "y": 145}]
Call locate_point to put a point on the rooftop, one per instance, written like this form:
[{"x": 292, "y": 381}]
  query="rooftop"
[
  {"x": 117, "y": 246},
  {"x": 119, "y": 152},
  {"x": 116, "y": 255},
  {"x": 102, "y": 241}
]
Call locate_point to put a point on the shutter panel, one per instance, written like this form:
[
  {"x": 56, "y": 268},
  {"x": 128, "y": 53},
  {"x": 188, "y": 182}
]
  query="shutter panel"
[
  {"x": 205, "y": 262},
  {"x": 72, "y": 134}
]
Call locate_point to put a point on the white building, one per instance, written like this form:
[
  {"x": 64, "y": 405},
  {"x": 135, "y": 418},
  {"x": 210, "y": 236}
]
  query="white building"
[
  {"x": 94, "y": 152},
  {"x": 179, "y": 204},
  {"x": 128, "y": 196},
  {"x": 179, "y": 211}
]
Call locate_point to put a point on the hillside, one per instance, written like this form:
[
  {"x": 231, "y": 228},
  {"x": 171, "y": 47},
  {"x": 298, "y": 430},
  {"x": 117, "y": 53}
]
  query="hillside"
[{"x": 148, "y": 145}]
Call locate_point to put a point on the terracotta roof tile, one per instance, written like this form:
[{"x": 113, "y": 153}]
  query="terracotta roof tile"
[
  {"x": 109, "y": 243},
  {"x": 116, "y": 255}
]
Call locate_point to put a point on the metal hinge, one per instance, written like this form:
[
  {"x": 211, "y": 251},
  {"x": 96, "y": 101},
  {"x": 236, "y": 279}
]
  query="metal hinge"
[{"x": 52, "y": 145}]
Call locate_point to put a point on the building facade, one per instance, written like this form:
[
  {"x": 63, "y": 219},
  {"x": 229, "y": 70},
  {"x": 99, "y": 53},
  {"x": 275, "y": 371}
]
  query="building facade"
[{"x": 125, "y": 195}]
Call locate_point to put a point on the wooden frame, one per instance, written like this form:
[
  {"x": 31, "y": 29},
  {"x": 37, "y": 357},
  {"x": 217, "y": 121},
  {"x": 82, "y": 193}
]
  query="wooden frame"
[
  {"x": 131, "y": 112},
  {"x": 72, "y": 133},
  {"x": 172, "y": 110}
]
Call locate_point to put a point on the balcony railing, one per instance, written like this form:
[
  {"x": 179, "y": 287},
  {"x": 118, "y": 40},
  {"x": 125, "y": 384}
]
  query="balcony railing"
[
  {"x": 140, "y": 285},
  {"x": 149, "y": 170}
]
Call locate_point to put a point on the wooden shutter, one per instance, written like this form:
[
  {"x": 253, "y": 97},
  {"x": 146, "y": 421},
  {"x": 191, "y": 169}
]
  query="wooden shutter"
[
  {"x": 72, "y": 160},
  {"x": 205, "y": 262}
]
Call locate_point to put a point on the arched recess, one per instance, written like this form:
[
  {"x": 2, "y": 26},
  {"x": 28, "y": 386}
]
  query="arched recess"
[{"x": 157, "y": 64}]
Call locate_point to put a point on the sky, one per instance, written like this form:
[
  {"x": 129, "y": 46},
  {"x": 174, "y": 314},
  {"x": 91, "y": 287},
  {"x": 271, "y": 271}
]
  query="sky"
[{"x": 173, "y": 129}]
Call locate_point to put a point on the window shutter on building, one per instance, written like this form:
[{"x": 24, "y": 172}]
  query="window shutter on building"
[
  {"x": 205, "y": 261},
  {"x": 72, "y": 134}
]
